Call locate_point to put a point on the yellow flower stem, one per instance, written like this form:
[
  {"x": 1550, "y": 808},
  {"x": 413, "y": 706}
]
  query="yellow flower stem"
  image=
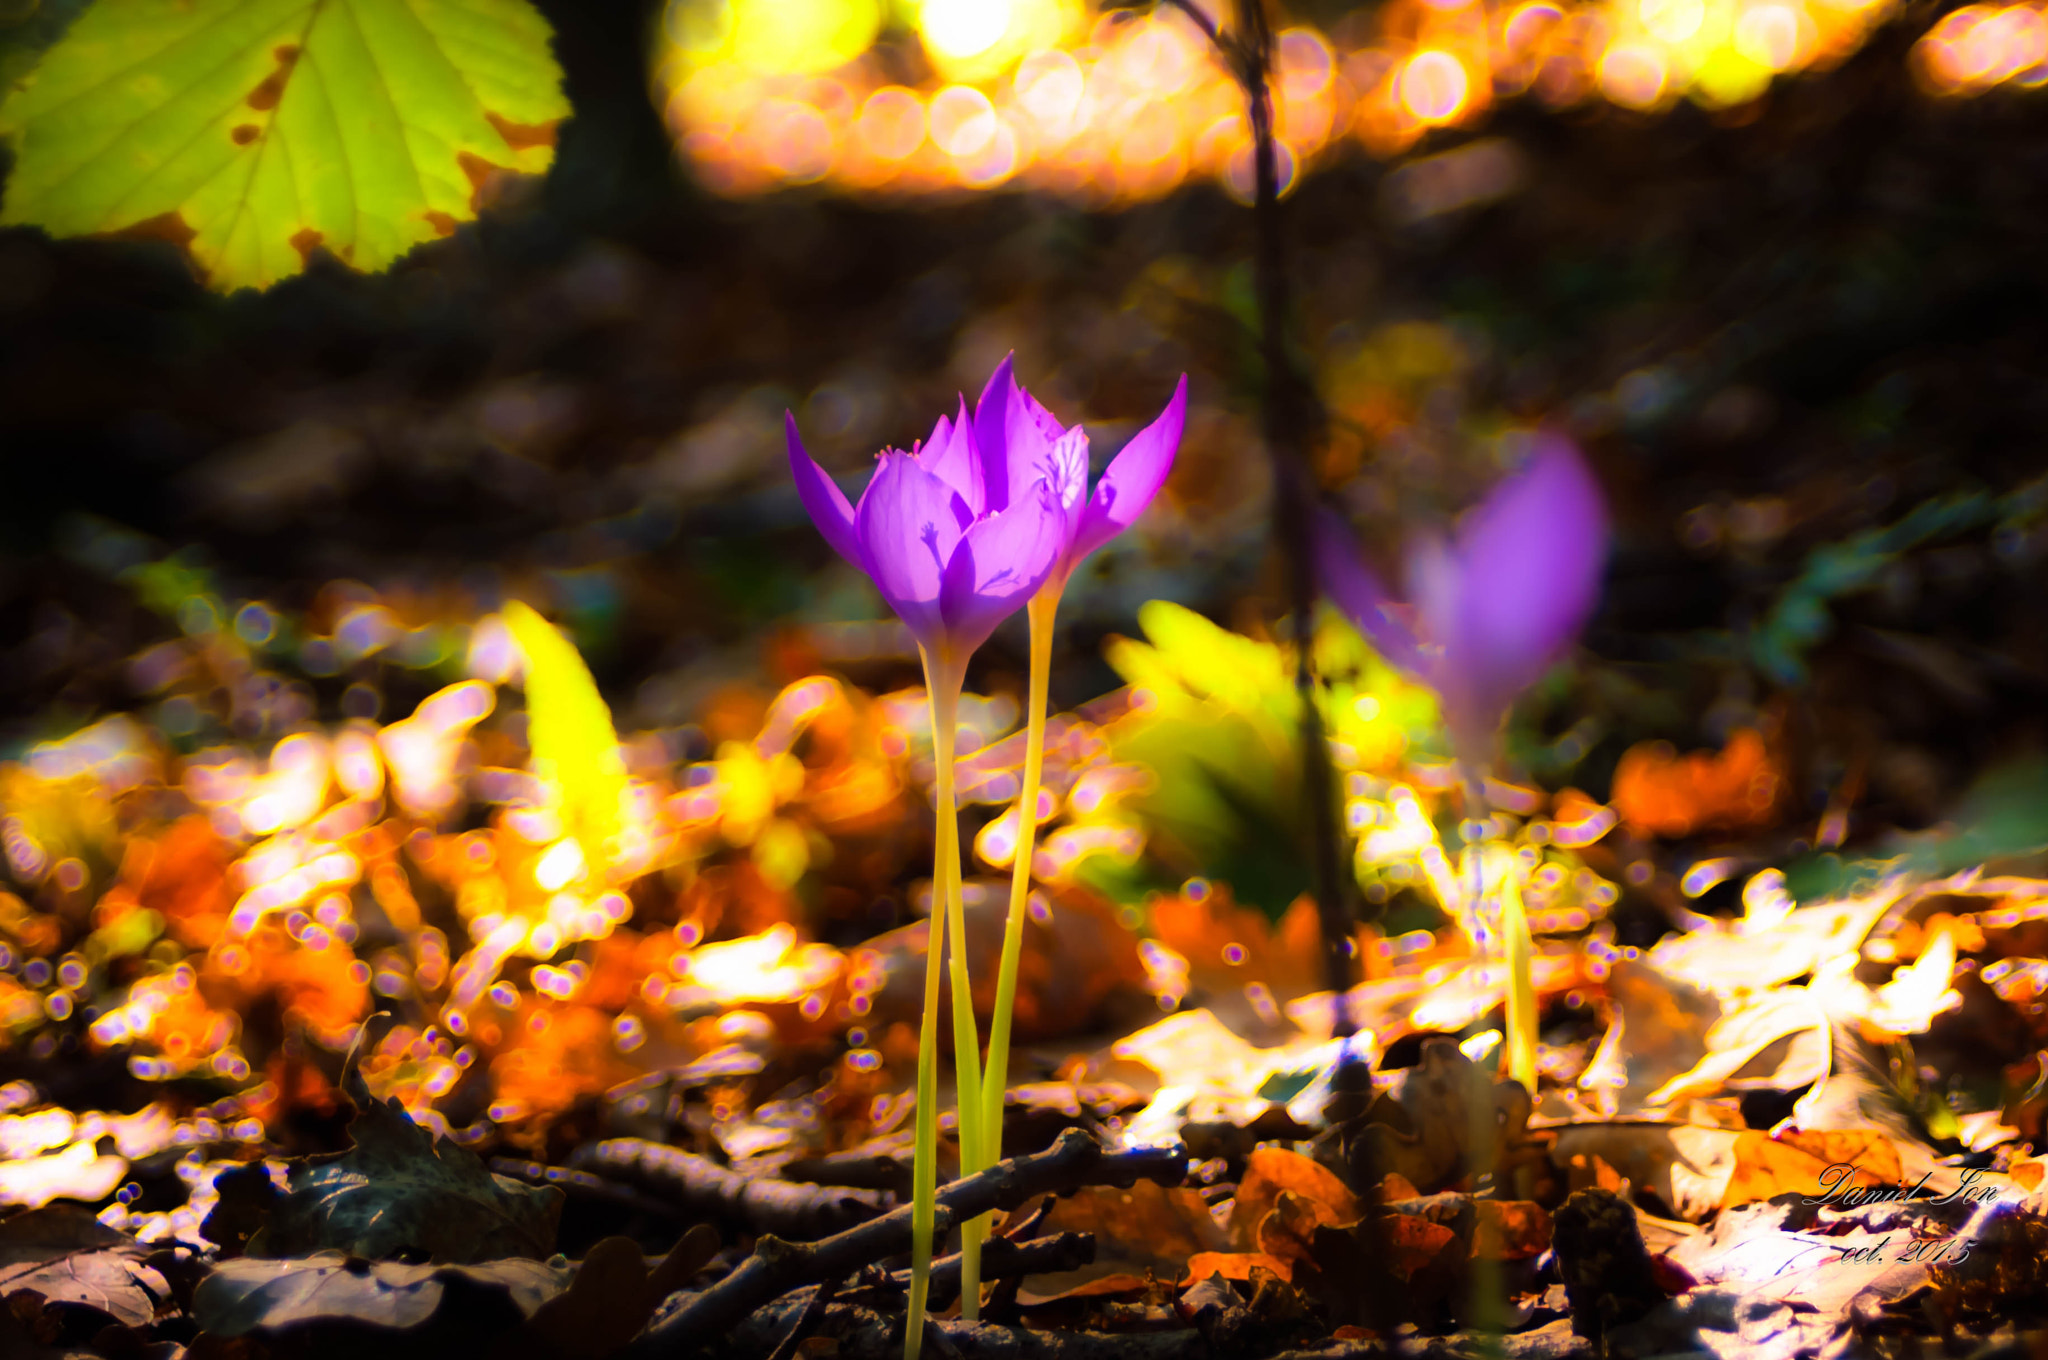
[
  {"x": 924, "y": 1175},
  {"x": 995, "y": 1077},
  {"x": 1520, "y": 950},
  {"x": 944, "y": 675}
]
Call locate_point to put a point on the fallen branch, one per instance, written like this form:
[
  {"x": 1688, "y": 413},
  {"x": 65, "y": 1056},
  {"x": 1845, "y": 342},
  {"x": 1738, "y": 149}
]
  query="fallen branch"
[
  {"x": 1007, "y": 1261},
  {"x": 583, "y": 1185},
  {"x": 700, "y": 1186},
  {"x": 861, "y": 1170},
  {"x": 776, "y": 1267},
  {"x": 1003, "y": 1260}
]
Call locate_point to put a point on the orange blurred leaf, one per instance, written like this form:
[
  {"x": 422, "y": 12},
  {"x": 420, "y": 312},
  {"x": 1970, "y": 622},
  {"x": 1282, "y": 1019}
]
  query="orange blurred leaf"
[{"x": 1661, "y": 793}]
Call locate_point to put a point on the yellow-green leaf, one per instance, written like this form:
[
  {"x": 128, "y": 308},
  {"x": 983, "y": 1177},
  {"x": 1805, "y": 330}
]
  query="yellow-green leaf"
[
  {"x": 252, "y": 132},
  {"x": 569, "y": 729}
]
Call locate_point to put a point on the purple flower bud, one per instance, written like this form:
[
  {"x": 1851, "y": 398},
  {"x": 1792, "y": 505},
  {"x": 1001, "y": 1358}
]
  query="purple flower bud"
[{"x": 1495, "y": 608}]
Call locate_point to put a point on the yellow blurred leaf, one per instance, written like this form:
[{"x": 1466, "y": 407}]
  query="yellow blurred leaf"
[{"x": 569, "y": 729}]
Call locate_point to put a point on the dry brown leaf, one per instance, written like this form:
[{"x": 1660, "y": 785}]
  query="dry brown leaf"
[
  {"x": 1765, "y": 1167},
  {"x": 1424, "y": 1259},
  {"x": 65, "y": 1255},
  {"x": 1420, "y": 1128},
  {"x": 614, "y": 1294},
  {"x": 1658, "y": 1031},
  {"x": 1286, "y": 1230},
  {"x": 1270, "y": 1173},
  {"x": 1685, "y": 1166},
  {"x": 1510, "y": 1230},
  {"x": 1144, "y": 1228}
]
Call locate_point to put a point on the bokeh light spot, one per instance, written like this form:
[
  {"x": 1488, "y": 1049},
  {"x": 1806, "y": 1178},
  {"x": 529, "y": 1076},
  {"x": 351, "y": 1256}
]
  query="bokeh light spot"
[{"x": 1434, "y": 86}]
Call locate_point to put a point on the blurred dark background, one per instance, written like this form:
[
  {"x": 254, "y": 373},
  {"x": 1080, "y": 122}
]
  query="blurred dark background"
[{"x": 1802, "y": 343}]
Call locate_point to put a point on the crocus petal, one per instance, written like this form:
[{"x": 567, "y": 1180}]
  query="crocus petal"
[
  {"x": 1133, "y": 478},
  {"x": 1356, "y": 589},
  {"x": 1016, "y": 436},
  {"x": 1000, "y": 564},
  {"x": 1530, "y": 566},
  {"x": 824, "y": 500},
  {"x": 951, "y": 456},
  {"x": 908, "y": 524}
]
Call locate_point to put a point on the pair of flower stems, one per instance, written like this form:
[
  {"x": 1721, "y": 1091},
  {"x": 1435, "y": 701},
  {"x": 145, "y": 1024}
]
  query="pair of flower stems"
[
  {"x": 992, "y": 513},
  {"x": 980, "y": 1088}
]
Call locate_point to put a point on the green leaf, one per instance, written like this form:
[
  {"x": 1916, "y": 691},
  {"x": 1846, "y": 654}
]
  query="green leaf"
[
  {"x": 253, "y": 131},
  {"x": 569, "y": 729}
]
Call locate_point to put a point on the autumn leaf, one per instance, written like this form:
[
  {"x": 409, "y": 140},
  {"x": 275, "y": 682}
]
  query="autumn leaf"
[
  {"x": 263, "y": 1298},
  {"x": 1661, "y": 793},
  {"x": 1271, "y": 1172},
  {"x": 67, "y": 1256},
  {"x": 252, "y": 132},
  {"x": 575, "y": 748},
  {"x": 400, "y": 1192}
]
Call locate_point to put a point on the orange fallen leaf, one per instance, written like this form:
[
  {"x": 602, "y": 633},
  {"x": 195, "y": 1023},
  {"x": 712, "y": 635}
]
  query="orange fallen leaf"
[
  {"x": 1661, "y": 793},
  {"x": 181, "y": 874},
  {"x": 1230, "y": 946},
  {"x": 1413, "y": 1243},
  {"x": 1286, "y": 1231},
  {"x": 1145, "y": 1227},
  {"x": 1272, "y": 1172},
  {"x": 1234, "y": 1265},
  {"x": 1808, "y": 1163},
  {"x": 1510, "y": 1230},
  {"x": 1394, "y": 1186}
]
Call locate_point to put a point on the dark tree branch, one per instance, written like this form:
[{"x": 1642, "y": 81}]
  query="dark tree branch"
[
  {"x": 776, "y": 1267},
  {"x": 1007, "y": 1262},
  {"x": 702, "y": 1187},
  {"x": 1294, "y": 423},
  {"x": 861, "y": 1170}
]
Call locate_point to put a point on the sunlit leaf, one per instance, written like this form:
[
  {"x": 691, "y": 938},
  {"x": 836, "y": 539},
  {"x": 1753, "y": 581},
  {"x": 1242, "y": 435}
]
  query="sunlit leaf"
[
  {"x": 252, "y": 132},
  {"x": 570, "y": 732}
]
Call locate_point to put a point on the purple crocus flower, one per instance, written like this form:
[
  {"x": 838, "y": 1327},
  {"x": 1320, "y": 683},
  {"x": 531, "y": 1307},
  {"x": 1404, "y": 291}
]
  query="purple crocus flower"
[
  {"x": 962, "y": 530},
  {"x": 1018, "y": 437},
  {"x": 1494, "y": 609},
  {"x": 951, "y": 558}
]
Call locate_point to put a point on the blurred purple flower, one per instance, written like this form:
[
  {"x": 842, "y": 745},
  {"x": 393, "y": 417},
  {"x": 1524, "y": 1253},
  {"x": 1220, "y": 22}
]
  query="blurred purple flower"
[
  {"x": 962, "y": 530},
  {"x": 1494, "y": 609}
]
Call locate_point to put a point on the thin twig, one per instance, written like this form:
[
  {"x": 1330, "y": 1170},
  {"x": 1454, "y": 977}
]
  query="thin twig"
[
  {"x": 776, "y": 1267},
  {"x": 1201, "y": 20},
  {"x": 1022, "y": 1232},
  {"x": 1004, "y": 1259}
]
